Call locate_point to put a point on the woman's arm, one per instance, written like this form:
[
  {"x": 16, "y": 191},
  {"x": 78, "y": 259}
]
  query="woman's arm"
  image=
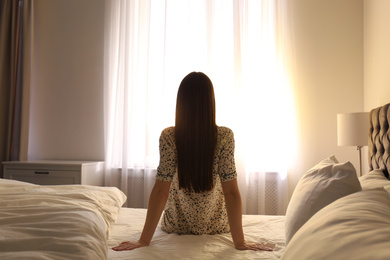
[
  {"x": 157, "y": 201},
  {"x": 234, "y": 210}
]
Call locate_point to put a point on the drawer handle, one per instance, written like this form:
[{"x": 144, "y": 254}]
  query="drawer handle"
[{"x": 41, "y": 172}]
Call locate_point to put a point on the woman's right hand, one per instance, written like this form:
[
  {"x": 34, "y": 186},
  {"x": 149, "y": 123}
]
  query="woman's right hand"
[
  {"x": 157, "y": 200},
  {"x": 255, "y": 246},
  {"x": 129, "y": 245}
]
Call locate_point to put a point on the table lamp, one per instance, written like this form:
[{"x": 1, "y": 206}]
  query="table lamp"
[{"x": 352, "y": 130}]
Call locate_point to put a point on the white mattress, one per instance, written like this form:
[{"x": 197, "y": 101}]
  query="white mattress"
[{"x": 257, "y": 228}]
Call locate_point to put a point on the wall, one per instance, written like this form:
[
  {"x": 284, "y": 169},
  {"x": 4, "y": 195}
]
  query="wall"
[
  {"x": 329, "y": 76},
  {"x": 376, "y": 56},
  {"x": 376, "y": 53},
  {"x": 67, "y": 89}
]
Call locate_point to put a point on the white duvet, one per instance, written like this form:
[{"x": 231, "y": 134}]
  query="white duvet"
[
  {"x": 171, "y": 246},
  {"x": 56, "y": 222}
]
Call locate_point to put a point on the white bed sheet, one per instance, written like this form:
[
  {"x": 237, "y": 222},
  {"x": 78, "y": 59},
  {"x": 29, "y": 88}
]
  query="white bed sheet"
[
  {"x": 56, "y": 222},
  {"x": 257, "y": 228}
]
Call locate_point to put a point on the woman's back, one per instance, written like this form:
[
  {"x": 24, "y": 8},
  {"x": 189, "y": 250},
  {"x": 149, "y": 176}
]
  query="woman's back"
[{"x": 188, "y": 212}]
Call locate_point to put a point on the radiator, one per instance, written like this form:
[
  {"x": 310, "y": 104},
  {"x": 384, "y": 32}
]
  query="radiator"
[
  {"x": 264, "y": 193},
  {"x": 139, "y": 186},
  {"x": 271, "y": 192}
]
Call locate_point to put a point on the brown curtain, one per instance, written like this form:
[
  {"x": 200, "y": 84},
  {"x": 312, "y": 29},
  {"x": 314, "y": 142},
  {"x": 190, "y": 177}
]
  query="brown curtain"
[{"x": 16, "y": 38}]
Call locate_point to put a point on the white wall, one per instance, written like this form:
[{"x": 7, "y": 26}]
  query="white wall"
[
  {"x": 376, "y": 53},
  {"x": 329, "y": 76},
  {"x": 67, "y": 89}
]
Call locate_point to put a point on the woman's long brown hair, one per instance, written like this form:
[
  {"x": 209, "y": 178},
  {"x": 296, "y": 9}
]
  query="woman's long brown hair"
[{"x": 195, "y": 132}]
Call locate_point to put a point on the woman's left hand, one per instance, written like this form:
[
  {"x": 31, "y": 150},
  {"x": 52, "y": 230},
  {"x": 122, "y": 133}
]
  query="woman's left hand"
[
  {"x": 129, "y": 245},
  {"x": 255, "y": 246}
]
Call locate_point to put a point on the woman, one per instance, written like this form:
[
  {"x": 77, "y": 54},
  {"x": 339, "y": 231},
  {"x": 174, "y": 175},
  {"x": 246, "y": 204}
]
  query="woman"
[{"x": 196, "y": 174}]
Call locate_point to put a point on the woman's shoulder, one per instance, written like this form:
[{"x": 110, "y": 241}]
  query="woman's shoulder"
[
  {"x": 168, "y": 136},
  {"x": 223, "y": 130},
  {"x": 225, "y": 134},
  {"x": 168, "y": 132}
]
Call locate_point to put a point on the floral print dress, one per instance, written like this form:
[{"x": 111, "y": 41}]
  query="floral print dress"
[{"x": 190, "y": 212}]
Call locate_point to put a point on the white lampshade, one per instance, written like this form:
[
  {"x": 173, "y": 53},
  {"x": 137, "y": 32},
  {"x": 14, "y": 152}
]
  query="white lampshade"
[{"x": 352, "y": 129}]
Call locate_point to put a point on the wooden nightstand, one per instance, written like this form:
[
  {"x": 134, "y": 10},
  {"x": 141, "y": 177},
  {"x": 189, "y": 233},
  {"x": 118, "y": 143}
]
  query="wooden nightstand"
[{"x": 55, "y": 172}]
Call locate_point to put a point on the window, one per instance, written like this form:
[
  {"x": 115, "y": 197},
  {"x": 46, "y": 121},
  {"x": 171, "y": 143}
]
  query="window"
[{"x": 152, "y": 45}]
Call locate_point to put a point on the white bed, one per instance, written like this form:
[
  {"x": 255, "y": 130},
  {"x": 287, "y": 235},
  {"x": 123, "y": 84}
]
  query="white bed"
[
  {"x": 85, "y": 222},
  {"x": 56, "y": 222},
  {"x": 171, "y": 246},
  {"x": 332, "y": 215}
]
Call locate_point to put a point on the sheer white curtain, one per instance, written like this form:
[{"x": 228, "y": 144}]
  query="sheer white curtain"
[{"x": 240, "y": 45}]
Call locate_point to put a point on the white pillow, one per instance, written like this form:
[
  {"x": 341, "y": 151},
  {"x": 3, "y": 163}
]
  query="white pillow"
[
  {"x": 321, "y": 185},
  {"x": 354, "y": 227},
  {"x": 374, "y": 179}
]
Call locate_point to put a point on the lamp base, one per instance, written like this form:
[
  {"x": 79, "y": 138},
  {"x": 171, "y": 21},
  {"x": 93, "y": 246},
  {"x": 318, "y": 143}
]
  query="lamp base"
[{"x": 359, "y": 148}]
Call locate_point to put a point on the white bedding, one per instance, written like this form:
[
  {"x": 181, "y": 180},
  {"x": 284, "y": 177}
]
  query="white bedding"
[
  {"x": 56, "y": 222},
  {"x": 171, "y": 246},
  {"x": 74, "y": 222}
]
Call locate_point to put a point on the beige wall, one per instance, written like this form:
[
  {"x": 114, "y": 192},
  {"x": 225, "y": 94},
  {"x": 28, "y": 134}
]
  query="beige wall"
[
  {"x": 376, "y": 56},
  {"x": 376, "y": 53},
  {"x": 67, "y": 91},
  {"x": 329, "y": 76}
]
